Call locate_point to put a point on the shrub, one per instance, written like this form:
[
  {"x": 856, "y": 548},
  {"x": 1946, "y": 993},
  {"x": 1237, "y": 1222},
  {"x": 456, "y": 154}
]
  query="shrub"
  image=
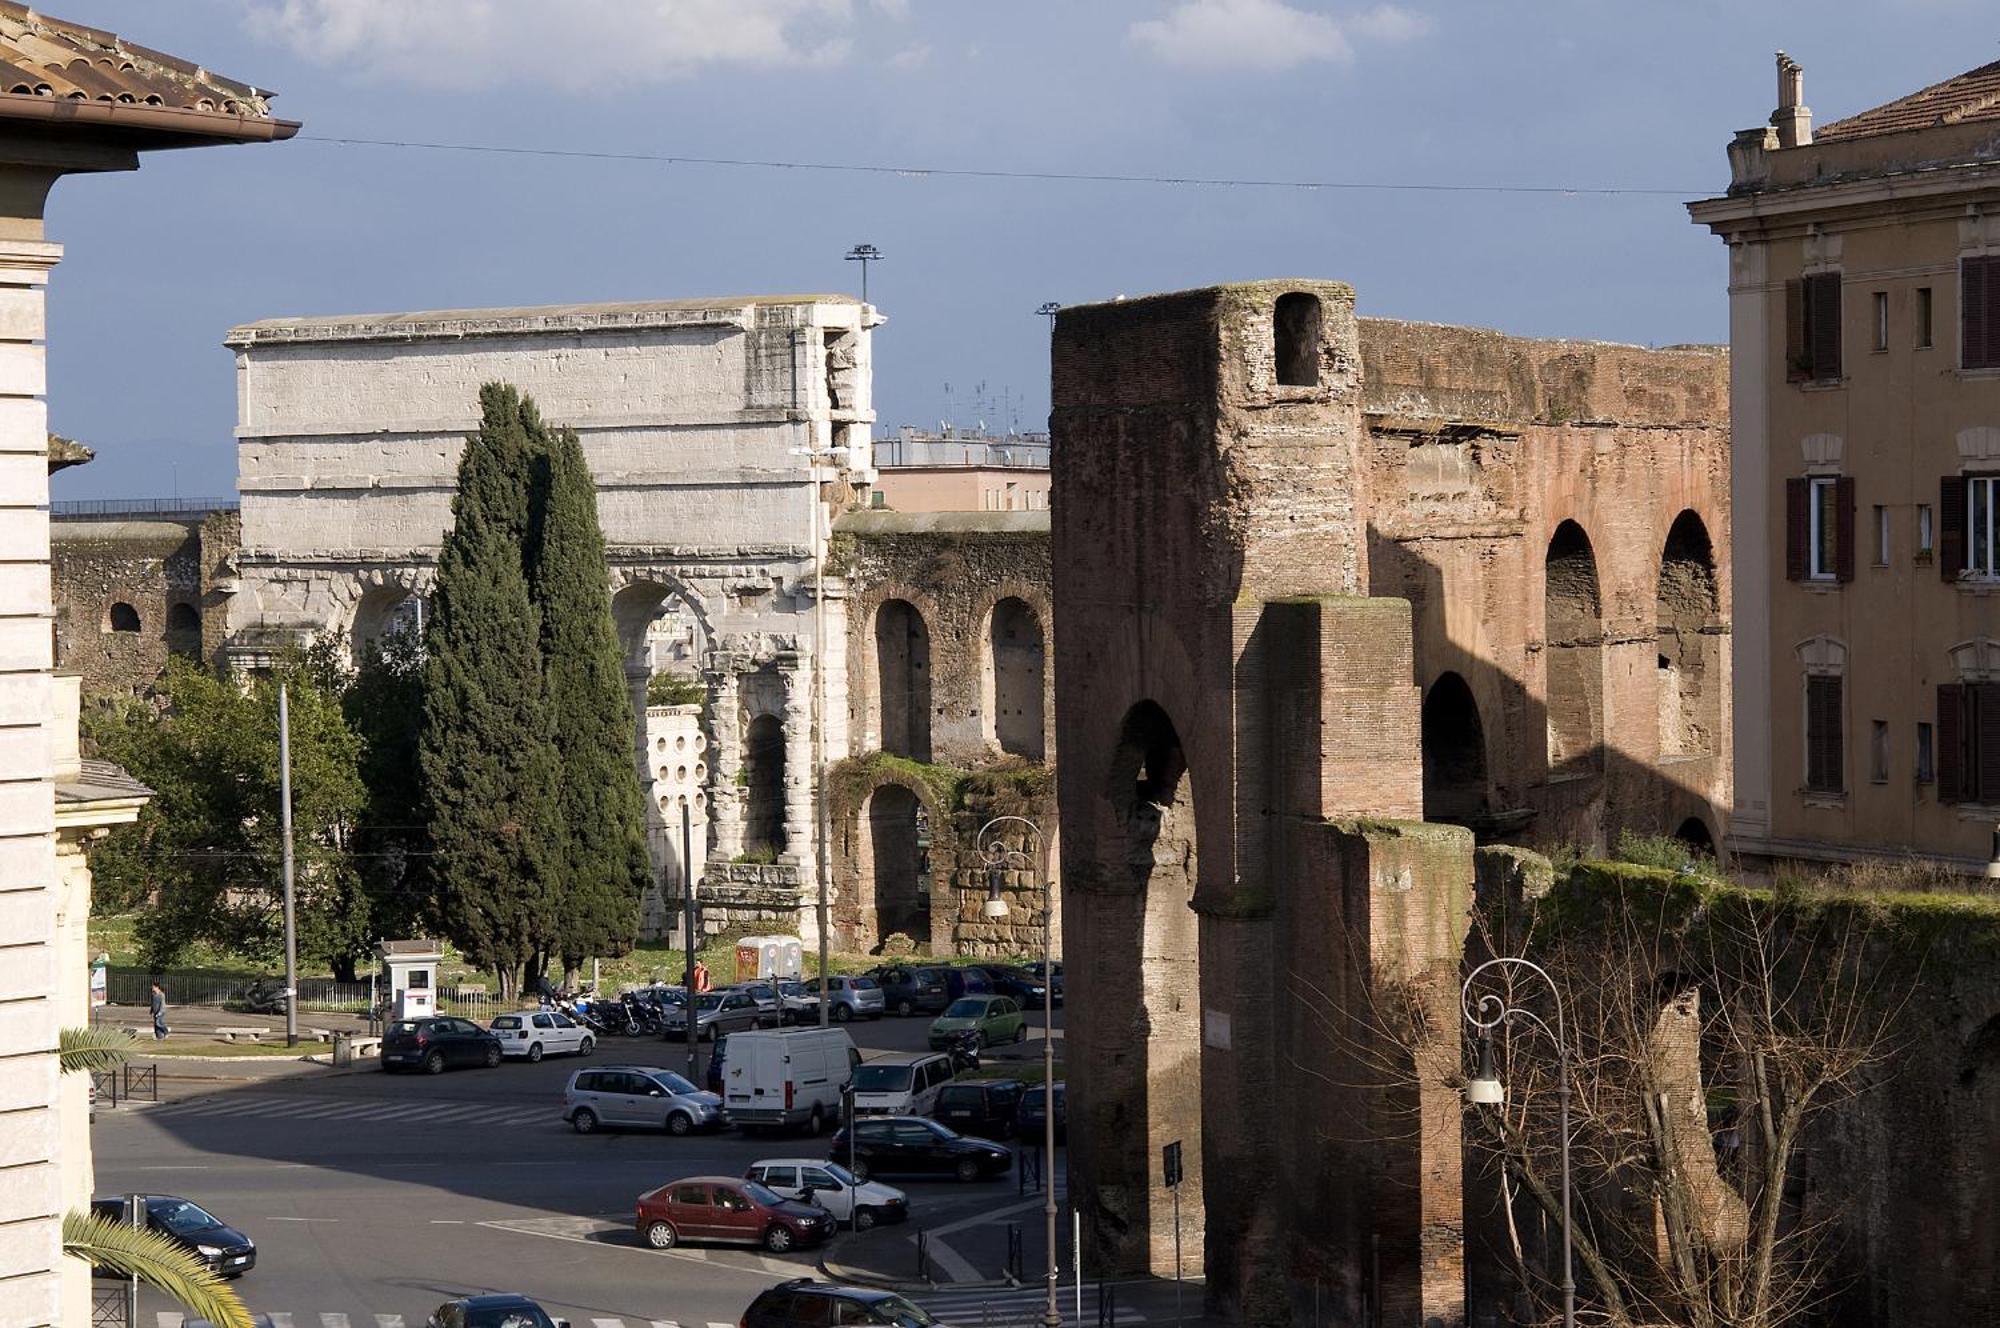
[{"x": 675, "y": 689}]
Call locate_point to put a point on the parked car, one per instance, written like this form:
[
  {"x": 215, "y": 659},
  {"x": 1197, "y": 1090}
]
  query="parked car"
[
  {"x": 638, "y": 1095},
  {"x": 1024, "y": 985},
  {"x": 911, "y": 1145},
  {"x": 996, "y": 1019},
  {"x": 788, "y": 1078},
  {"x": 908, "y": 990},
  {"x": 859, "y": 1203},
  {"x": 436, "y": 1042},
  {"x": 797, "y": 1003},
  {"x": 724, "y": 1210},
  {"x": 1034, "y": 1106},
  {"x": 538, "y": 1033},
  {"x": 802, "y": 1301},
  {"x": 765, "y": 993},
  {"x": 968, "y": 981},
  {"x": 187, "y": 1224},
  {"x": 904, "y": 1084},
  {"x": 719, "y": 1012},
  {"x": 1038, "y": 968},
  {"x": 497, "y": 1311},
  {"x": 848, "y": 997},
  {"x": 984, "y": 1107},
  {"x": 718, "y": 1059}
]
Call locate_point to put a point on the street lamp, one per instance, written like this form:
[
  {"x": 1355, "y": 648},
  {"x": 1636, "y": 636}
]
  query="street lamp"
[
  {"x": 999, "y": 857},
  {"x": 1485, "y": 1089},
  {"x": 864, "y": 254}
]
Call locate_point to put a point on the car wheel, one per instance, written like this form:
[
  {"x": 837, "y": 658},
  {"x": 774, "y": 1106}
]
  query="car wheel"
[
  {"x": 1021, "y": 1033},
  {"x": 904, "y": 1009},
  {"x": 841, "y": 1014},
  {"x": 984, "y": 1041},
  {"x": 815, "y": 1123},
  {"x": 535, "y": 1054},
  {"x": 864, "y": 1219},
  {"x": 778, "y": 1239},
  {"x": 678, "y": 1124},
  {"x": 661, "y": 1236},
  {"x": 859, "y": 1170},
  {"x": 493, "y": 1057},
  {"x": 434, "y": 1063},
  {"x": 714, "y": 1032},
  {"x": 966, "y": 1170},
  {"x": 584, "y": 1121},
  {"x": 587, "y": 1046}
]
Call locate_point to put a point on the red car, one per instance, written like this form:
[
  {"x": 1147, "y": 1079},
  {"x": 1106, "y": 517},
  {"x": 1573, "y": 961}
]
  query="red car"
[{"x": 729, "y": 1211}]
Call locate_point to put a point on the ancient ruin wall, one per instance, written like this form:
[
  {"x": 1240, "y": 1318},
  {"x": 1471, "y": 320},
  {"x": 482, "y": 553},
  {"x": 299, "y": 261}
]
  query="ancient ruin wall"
[{"x": 128, "y": 594}]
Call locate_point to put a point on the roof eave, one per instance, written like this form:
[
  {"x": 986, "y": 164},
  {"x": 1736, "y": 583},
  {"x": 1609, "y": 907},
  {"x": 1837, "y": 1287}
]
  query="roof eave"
[{"x": 171, "y": 126}]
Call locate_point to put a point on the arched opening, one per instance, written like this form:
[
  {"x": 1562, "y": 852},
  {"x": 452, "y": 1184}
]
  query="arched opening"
[
  {"x": 1015, "y": 661},
  {"x": 184, "y": 631},
  {"x": 892, "y": 870},
  {"x": 1454, "y": 743},
  {"x": 1694, "y": 833},
  {"x": 1295, "y": 330},
  {"x": 764, "y": 788},
  {"x": 1690, "y": 642},
  {"x": 122, "y": 618},
  {"x": 1153, "y": 799},
  {"x": 903, "y": 679},
  {"x": 1574, "y": 634},
  {"x": 385, "y": 614}
]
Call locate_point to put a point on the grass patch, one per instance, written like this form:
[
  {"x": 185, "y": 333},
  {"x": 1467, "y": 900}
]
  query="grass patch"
[
  {"x": 247, "y": 1050},
  {"x": 1028, "y": 1072}
]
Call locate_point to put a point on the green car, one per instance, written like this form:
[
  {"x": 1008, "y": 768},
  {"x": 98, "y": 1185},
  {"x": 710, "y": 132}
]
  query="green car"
[{"x": 997, "y": 1018}]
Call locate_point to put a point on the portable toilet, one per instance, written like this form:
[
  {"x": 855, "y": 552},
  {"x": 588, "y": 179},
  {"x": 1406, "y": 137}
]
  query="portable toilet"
[
  {"x": 791, "y": 957},
  {"x": 409, "y": 975}
]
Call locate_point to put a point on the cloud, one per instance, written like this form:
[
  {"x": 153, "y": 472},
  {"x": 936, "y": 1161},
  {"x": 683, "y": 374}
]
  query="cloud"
[
  {"x": 911, "y": 57},
  {"x": 1266, "y": 34},
  {"x": 575, "y": 45}
]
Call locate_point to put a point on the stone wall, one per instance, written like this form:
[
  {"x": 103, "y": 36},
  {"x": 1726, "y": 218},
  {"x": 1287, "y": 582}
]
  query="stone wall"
[{"x": 131, "y": 593}]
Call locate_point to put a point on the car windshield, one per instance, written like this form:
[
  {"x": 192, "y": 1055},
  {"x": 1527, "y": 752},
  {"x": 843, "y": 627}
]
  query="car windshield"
[
  {"x": 768, "y": 1198},
  {"x": 182, "y": 1217},
  {"x": 863, "y": 984},
  {"x": 513, "y": 1317},
  {"x": 794, "y": 989},
  {"x": 838, "y": 1172},
  {"x": 711, "y": 1001},
  {"x": 958, "y": 1094},
  {"x": 941, "y": 1131},
  {"x": 673, "y": 1083},
  {"x": 966, "y": 1007},
  {"x": 882, "y": 1079},
  {"x": 403, "y": 1026},
  {"x": 508, "y": 1021},
  {"x": 903, "y": 1314}
]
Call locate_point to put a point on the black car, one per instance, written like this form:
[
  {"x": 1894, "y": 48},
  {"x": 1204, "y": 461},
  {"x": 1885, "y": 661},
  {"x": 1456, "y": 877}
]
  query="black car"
[
  {"x": 969, "y": 981},
  {"x": 718, "y": 1051},
  {"x": 225, "y": 1249},
  {"x": 434, "y": 1043},
  {"x": 1025, "y": 987},
  {"x": 1029, "y": 1115},
  {"x": 982, "y": 1107},
  {"x": 492, "y": 1312},
  {"x": 913, "y": 1146},
  {"x": 908, "y": 990},
  {"x": 803, "y": 1301}
]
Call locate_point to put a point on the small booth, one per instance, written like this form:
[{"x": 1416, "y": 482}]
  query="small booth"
[
  {"x": 409, "y": 976},
  {"x": 769, "y": 957}
]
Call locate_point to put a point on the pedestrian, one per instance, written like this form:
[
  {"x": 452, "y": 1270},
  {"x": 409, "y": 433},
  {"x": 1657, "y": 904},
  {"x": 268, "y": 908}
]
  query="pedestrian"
[
  {"x": 159, "y": 1014},
  {"x": 548, "y": 992},
  {"x": 701, "y": 981}
]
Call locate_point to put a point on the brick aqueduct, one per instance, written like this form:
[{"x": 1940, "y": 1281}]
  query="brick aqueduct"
[{"x": 1309, "y": 582}]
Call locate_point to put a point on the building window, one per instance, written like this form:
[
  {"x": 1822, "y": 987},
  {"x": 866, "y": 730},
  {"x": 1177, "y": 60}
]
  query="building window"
[
  {"x": 1878, "y": 751},
  {"x": 1812, "y": 328},
  {"x": 1979, "y": 313},
  {"x": 1924, "y": 544},
  {"x": 1881, "y": 535},
  {"x": 1825, "y": 744},
  {"x": 1819, "y": 528},
  {"x": 1881, "y": 320},
  {"x": 1923, "y": 318},
  {"x": 1926, "y": 755},
  {"x": 1295, "y": 335},
  {"x": 123, "y": 618},
  {"x": 1981, "y": 494},
  {"x": 1968, "y": 757}
]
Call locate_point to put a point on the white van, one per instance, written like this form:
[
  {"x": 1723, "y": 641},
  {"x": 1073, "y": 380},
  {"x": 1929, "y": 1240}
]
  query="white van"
[
  {"x": 790, "y": 1077},
  {"x": 906, "y": 1084}
]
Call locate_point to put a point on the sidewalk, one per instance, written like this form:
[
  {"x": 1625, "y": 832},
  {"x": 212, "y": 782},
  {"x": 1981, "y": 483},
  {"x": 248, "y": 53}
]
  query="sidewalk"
[{"x": 194, "y": 1050}]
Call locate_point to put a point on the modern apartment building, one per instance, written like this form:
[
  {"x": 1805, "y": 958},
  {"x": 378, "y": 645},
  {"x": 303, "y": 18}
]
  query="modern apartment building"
[{"x": 1864, "y": 286}]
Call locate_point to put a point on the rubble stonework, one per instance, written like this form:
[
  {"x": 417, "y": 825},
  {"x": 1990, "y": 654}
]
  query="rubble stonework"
[
  {"x": 1250, "y": 742},
  {"x": 129, "y": 593}
]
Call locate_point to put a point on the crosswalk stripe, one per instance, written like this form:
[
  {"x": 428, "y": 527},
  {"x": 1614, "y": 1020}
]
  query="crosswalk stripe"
[
  {"x": 388, "y": 1321},
  {"x": 170, "y": 1319},
  {"x": 607, "y": 1323},
  {"x": 280, "y": 1320},
  {"x": 664, "y": 1323},
  {"x": 334, "y": 1321}
]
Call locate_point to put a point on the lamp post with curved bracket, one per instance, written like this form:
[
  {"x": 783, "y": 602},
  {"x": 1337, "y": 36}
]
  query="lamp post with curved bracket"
[
  {"x": 1485, "y": 1088},
  {"x": 999, "y": 857}
]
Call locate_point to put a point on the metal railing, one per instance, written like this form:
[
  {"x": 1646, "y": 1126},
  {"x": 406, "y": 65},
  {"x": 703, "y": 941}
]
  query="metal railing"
[
  {"x": 143, "y": 506},
  {"x": 107, "y": 1307},
  {"x": 133, "y": 986}
]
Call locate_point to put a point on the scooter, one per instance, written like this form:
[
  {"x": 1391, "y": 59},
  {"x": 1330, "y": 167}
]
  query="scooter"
[
  {"x": 580, "y": 1010},
  {"x": 266, "y": 996},
  {"x": 964, "y": 1051}
]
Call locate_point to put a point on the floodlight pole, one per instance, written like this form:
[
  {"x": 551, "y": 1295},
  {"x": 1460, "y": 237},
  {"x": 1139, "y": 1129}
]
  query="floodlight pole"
[
  {"x": 1489, "y": 1013},
  {"x": 291, "y": 912},
  {"x": 864, "y": 254}
]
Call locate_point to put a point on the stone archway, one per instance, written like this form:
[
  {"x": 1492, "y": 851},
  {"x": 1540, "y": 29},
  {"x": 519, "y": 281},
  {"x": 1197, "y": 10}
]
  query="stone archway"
[
  {"x": 1015, "y": 672},
  {"x": 1454, "y": 752},
  {"x": 903, "y": 679},
  {"x": 1573, "y": 636},
  {"x": 890, "y": 878},
  {"x": 1690, "y": 644}
]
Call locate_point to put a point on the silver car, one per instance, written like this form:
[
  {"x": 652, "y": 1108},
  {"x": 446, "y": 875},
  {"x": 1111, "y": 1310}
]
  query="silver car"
[
  {"x": 638, "y": 1096},
  {"x": 720, "y": 1012},
  {"x": 849, "y": 997}
]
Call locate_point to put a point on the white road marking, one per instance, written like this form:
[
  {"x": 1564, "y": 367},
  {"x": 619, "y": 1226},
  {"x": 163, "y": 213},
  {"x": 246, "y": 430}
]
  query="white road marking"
[
  {"x": 459, "y": 1221},
  {"x": 388, "y": 1321},
  {"x": 318, "y": 1219},
  {"x": 171, "y": 1319},
  {"x": 280, "y": 1320},
  {"x": 607, "y": 1323},
  {"x": 334, "y": 1321},
  {"x": 664, "y": 1323}
]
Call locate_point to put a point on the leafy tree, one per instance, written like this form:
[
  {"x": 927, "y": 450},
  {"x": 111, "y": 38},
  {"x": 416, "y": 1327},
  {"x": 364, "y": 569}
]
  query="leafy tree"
[
  {"x": 208, "y": 849},
  {"x": 383, "y": 699},
  {"x": 484, "y": 751},
  {"x": 603, "y": 868}
]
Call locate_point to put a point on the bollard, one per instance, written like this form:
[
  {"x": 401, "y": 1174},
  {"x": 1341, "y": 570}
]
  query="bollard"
[{"x": 923, "y": 1256}]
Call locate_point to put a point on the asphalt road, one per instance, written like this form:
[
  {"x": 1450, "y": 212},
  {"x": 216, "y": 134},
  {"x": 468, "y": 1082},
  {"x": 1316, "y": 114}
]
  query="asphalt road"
[{"x": 375, "y": 1196}]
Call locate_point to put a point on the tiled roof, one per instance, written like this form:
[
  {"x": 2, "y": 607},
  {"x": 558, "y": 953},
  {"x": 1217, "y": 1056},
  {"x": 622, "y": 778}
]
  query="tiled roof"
[
  {"x": 1971, "y": 96},
  {"x": 100, "y": 781}
]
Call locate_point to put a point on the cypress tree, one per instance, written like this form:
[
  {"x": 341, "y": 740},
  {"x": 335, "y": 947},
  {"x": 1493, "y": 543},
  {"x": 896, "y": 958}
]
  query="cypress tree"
[
  {"x": 603, "y": 866},
  {"x": 485, "y": 752}
]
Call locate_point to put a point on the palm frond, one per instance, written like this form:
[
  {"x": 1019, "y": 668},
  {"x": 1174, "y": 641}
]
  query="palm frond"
[
  {"x": 95, "y": 1048},
  {"x": 156, "y": 1261}
]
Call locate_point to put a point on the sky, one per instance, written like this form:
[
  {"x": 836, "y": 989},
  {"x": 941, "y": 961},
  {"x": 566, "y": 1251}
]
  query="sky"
[{"x": 1579, "y": 95}]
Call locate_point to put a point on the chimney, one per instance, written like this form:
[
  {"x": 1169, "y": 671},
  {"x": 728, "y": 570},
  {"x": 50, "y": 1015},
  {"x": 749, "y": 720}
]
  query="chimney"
[{"x": 1793, "y": 118}]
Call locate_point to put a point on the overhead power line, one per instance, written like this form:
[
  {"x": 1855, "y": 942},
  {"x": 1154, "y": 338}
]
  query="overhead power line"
[{"x": 997, "y": 173}]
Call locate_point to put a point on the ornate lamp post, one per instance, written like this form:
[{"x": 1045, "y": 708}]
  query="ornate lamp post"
[
  {"x": 999, "y": 858},
  {"x": 1485, "y": 1088}
]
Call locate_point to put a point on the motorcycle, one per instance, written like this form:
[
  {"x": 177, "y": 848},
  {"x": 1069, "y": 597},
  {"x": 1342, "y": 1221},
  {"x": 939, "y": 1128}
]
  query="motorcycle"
[
  {"x": 580, "y": 1010},
  {"x": 964, "y": 1051},
  {"x": 645, "y": 1016},
  {"x": 266, "y": 996}
]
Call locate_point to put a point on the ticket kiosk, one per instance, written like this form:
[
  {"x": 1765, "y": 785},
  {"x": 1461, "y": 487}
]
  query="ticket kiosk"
[{"x": 409, "y": 975}]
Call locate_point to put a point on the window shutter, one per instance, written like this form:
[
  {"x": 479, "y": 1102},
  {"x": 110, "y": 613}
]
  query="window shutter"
[
  {"x": 1796, "y": 529},
  {"x": 1972, "y": 352},
  {"x": 1796, "y": 358},
  {"x": 1823, "y": 320},
  {"x": 1984, "y": 720},
  {"x": 1825, "y": 746},
  {"x": 1951, "y": 526},
  {"x": 1843, "y": 528},
  {"x": 1951, "y": 742}
]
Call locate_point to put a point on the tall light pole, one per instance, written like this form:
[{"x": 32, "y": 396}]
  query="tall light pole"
[
  {"x": 999, "y": 856},
  {"x": 1049, "y": 309},
  {"x": 291, "y": 913},
  {"x": 864, "y": 254},
  {"x": 1485, "y": 1089}
]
